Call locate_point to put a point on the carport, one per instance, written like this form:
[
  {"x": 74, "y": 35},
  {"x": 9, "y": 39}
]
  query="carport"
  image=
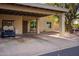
[{"x": 30, "y": 10}]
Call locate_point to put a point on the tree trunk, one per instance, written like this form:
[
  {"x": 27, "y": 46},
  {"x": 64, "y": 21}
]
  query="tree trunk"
[{"x": 69, "y": 27}]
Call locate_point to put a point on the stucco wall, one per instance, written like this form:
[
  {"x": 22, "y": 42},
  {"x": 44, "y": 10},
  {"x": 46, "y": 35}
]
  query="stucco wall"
[
  {"x": 43, "y": 25},
  {"x": 28, "y": 18},
  {"x": 17, "y": 21}
]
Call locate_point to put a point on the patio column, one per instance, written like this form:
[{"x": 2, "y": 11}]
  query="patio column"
[
  {"x": 62, "y": 24},
  {"x": 37, "y": 26},
  {"x": 28, "y": 30},
  {"x": 0, "y": 26}
]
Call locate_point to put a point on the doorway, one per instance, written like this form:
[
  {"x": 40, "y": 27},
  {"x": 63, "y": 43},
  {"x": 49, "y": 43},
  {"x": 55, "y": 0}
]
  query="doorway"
[{"x": 25, "y": 26}]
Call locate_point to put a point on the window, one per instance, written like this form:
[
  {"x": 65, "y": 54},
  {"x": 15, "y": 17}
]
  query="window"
[
  {"x": 49, "y": 24},
  {"x": 7, "y": 24},
  {"x": 33, "y": 24}
]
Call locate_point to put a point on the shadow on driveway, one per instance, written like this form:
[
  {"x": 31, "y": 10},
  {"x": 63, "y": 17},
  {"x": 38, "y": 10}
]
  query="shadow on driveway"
[{"x": 74, "y": 51}]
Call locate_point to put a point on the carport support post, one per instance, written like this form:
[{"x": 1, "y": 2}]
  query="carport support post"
[
  {"x": 62, "y": 24},
  {"x": 28, "y": 30},
  {"x": 37, "y": 26}
]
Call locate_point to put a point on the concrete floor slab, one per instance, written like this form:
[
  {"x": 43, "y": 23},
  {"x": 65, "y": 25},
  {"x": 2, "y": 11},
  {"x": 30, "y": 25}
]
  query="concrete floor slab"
[{"x": 32, "y": 46}]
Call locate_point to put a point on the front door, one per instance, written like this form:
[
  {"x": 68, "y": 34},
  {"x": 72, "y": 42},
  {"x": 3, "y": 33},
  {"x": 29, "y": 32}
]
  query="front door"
[{"x": 25, "y": 26}]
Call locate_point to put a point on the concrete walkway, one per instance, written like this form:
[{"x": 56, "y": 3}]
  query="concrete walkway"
[{"x": 36, "y": 45}]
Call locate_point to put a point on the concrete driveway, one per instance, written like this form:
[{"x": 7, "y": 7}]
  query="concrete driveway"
[{"x": 34, "y": 45}]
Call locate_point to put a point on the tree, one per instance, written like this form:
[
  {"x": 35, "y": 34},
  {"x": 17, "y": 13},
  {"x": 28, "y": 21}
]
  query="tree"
[{"x": 71, "y": 15}]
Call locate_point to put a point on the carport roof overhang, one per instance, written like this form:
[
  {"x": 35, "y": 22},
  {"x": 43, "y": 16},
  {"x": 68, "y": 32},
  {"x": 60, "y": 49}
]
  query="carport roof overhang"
[
  {"x": 45, "y": 6},
  {"x": 13, "y": 12},
  {"x": 31, "y": 9}
]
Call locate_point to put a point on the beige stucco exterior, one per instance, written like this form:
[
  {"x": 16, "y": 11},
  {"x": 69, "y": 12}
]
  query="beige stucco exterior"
[
  {"x": 44, "y": 27},
  {"x": 18, "y": 22}
]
